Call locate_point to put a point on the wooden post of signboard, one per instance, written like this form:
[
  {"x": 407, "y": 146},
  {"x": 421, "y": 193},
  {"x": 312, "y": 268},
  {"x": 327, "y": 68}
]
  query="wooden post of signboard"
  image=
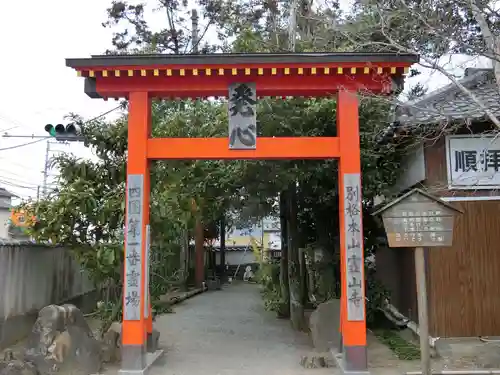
[
  {"x": 423, "y": 313},
  {"x": 418, "y": 219}
]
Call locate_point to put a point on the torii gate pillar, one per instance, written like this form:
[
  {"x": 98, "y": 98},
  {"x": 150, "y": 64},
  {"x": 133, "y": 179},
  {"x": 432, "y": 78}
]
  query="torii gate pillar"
[{"x": 352, "y": 356}]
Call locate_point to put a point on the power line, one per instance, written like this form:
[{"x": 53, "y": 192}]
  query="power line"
[
  {"x": 18, "y": 124},
  {"x": 39, "y": 140},
  {"x": 23, "y": 144},
  {"x": 104, "y": 114},
  {"x": 21, "y": 181},
  {"x": 7, "y": 129},
  {"x": 17, "y": 185},
  {"x": 19, "y": 164},
  {"x": 10, "y": 121},
  {"x": 15, "y": 180},
  {"x": 12, "y": 173}
]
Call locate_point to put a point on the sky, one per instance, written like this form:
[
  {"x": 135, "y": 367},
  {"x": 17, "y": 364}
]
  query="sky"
[{"x": 38, "y": 89}]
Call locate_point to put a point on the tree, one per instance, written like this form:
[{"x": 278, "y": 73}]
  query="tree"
[
  {"x": 416, "y": 91},
  {"x": 434, "y": 29},
  {"x": 171, "y": 39}
]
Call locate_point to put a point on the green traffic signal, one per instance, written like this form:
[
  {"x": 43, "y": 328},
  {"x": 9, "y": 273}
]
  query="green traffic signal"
[{"x": 50, "y": 129}]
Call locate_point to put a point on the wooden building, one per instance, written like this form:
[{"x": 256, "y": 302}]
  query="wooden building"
[{"x": 454, "y": 154}]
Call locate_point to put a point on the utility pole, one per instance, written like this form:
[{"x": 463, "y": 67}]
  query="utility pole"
[
  {"x": 262, "y": 249},
  {"x": 63, "y": 134},
  {"x": 292, "y": 27},
  {"x": 194, "y": 31},
  {"x": 45, "y": 170},
  {"x": 222, "y": 233}
]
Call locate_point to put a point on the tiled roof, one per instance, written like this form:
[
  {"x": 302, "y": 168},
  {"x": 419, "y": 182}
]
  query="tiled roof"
[
  {"x": 5, "y": 193},
  {"x": 450, "y": 103}
]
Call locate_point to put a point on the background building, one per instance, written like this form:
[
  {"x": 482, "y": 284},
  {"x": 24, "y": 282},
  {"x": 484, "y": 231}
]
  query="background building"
[{"x": 5, "y": 212}]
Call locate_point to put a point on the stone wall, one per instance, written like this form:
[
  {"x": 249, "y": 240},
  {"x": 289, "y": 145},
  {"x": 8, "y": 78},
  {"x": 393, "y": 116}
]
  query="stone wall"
[{"x": 31, "y": 277}]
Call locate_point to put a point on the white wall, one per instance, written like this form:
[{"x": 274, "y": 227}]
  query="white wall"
[
  {"x": 413, "y": 169},
  {"x": 32, "y": 277},
  {"x": 4, "y": 220},
  {"x": 233, "y": 258}
]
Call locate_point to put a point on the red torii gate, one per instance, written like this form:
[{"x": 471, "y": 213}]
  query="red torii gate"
[{"x": 139, "y": 78}]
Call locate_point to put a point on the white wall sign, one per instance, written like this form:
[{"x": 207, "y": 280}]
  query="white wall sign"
[
  {"x": 133, "y": 247},
  {"x": 473, "y": 162},
  {"x": 353, "y": 251},
  {"x": 274, "y": 241},
  {"x": 242, "y": 105}
]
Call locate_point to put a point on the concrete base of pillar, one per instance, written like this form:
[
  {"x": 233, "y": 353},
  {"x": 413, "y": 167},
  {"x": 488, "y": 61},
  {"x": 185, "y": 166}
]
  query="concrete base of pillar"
[
  {"x": 352, "y": 360},
  {"x": 152, "y": 341},
  {"x": 136, "y": 361}
]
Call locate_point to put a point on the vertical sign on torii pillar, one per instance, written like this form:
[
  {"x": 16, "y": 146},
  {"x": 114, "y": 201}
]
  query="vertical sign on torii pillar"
[
  {"x": 240, "y": 77},
  {"x": 133, "y": 247}
]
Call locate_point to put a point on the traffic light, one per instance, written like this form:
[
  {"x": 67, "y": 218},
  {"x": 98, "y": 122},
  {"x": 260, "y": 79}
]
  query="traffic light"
[{"x": 70, "y": 132}]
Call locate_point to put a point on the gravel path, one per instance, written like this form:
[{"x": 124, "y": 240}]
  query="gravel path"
[{"x": 228, "y": 332}]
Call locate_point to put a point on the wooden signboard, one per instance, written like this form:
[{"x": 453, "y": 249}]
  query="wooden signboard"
[{"x": 418, "y": 219}]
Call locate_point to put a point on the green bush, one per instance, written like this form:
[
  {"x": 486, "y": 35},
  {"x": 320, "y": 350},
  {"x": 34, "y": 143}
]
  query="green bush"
[{"x": 268, "y": 276}]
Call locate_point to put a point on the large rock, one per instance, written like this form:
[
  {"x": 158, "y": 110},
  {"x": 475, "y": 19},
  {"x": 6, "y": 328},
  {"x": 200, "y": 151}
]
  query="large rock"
[
  {"x": 324, "y": 326},
  {"x": 61, "y": 336}
]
